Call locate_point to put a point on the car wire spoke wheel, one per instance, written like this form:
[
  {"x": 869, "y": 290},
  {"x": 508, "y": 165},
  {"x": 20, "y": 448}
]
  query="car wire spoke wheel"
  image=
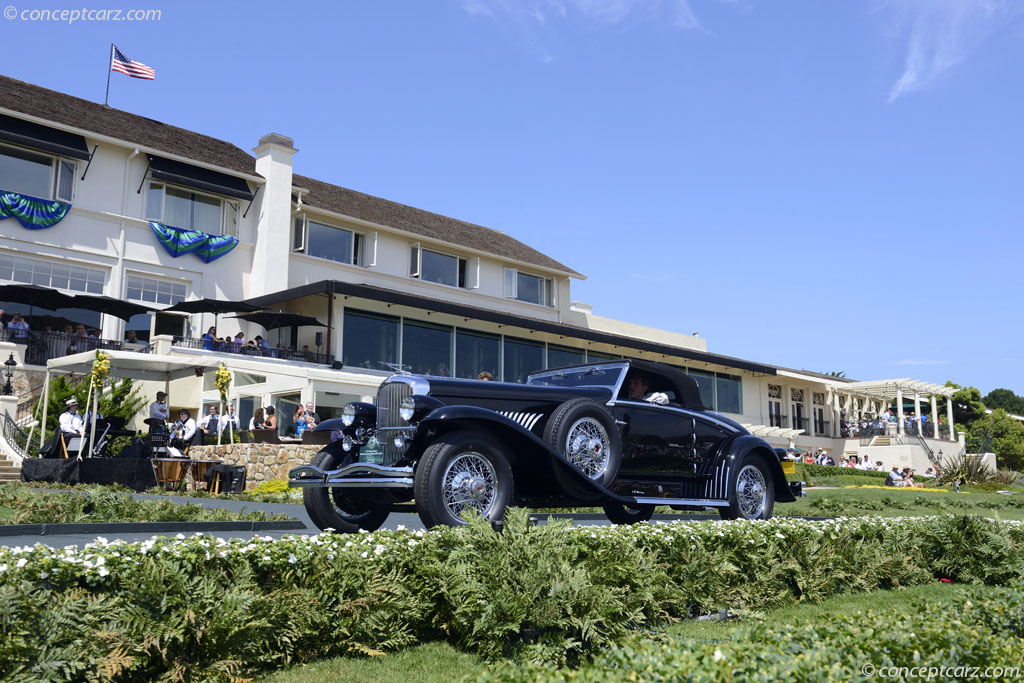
[
  {"x": 751, "y": 491},
  {"x": 469, "y": 483},
  {"x": 587, "y": 446}
]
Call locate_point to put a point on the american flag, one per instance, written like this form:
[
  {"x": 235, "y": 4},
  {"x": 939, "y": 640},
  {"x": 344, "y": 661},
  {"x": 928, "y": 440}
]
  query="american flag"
[{"x": 119, "y": 62}]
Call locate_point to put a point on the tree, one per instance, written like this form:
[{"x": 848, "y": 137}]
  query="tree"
[
  {"x": 1006, "y": 435},
  {"x": 122, "y": 399},
  {"x": 967, "y": 405},
  {"x": 1005, "y": 399}
]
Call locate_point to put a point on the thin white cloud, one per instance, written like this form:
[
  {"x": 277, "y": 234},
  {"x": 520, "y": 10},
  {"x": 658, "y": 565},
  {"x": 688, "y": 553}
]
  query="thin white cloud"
[
  {"x": 543, "y": 13},
  {"x": 940, "y": 34},
  {"x": 914, "y": 361}
]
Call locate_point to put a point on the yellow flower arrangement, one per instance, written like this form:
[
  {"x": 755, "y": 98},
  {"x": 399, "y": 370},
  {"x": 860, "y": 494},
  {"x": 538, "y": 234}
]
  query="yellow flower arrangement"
[
  {"x": 899, "y": 488},
  {"x": 223, "y": 381},
  {"x": 100, "y": 369}
]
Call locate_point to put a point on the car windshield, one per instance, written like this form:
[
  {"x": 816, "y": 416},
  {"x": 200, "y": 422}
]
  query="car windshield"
[{"x": 584, "y": 376}]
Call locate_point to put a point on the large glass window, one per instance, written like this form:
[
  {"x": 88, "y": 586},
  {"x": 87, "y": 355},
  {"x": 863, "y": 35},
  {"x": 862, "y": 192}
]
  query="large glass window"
[
  {"x": 433, "y": 266},
  {"x": 36, "y": 175},
  {"x": 529, "y": 288},
  {"x": 728, "y": 394},
  {"x": 325, "y": 241},
  {"x": 153, "y": 290},
  {"x": 51, "y": 274},
  {"x": 706, "y": 385},
  {"x": 521, "y": 358},
  {"x": 181, "y": 208},
  {"x": 477, "y": 352},
  {"x": 427, "y": 348},
  {"x": 598, "y": 356},
  {"x": 140, "y": 325},
  {"x": 370, "y": 340},
  {"x": 561, "y": 356}
]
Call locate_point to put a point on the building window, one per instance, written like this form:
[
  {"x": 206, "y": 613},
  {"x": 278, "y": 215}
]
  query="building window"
[
  {"x": 728, "y": 394},
  {"x": 370, "y": 340},
  {"x": 818, "y": 397},
  {"x": 706, "y": 386},
  {"x": 796, "y": 395},
  {"x": 433, "y": 266},
  {"x": 562, "y": 356},
  {"x": 477, "y": 352},
  {"x": 427, "y": 348},
  {"x": 153, "y": 290},
  {"x": 35, "y": 174},
  {"x": 521, "y": 358},
  {"x": 529, "y": 288},
  {"x": 775, "y": 391},
  {"x": 188, "y": 210},
  {"x": 51, "y": 274},
  {"x": 327, "y": 242}
]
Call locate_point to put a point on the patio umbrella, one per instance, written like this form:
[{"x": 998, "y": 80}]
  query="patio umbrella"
[
  {"x": 212, "y": 306},
  {"x": 215, "y": 306},
  {"x": 34, "y": 295},
  {"x": 109, "y": 305},
  {"x": 270, "y": 320}
]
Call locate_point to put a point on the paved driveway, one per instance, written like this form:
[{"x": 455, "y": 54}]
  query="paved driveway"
[{"x": 296, "y": 511}]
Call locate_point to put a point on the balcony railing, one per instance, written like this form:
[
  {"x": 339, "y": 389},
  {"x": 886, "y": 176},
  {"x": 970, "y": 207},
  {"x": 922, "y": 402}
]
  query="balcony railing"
[
  {"x": 800, "y": 423},
  {"x": 42, "y": 346},
  {"x": 823, "y": 428},
  {"x": 256, "y": 351},
  {"x": 778, "y": 420}
]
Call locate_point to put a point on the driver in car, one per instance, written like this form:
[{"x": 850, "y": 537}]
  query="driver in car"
[{"x": 639, "y": 390}]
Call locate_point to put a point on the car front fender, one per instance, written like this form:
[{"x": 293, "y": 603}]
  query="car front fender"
[
  {"x": 521, "y": 441},
  {"x": 745, "y": 444}
]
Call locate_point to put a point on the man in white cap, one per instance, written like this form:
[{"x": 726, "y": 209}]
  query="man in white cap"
[{"x": 70, "y": 421}]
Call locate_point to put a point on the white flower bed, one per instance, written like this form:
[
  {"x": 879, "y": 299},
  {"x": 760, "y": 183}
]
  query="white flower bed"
[{"x": 99, "y": 562}]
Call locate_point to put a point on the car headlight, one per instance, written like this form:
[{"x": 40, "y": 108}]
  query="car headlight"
[
  {"x": 348, "y": 415},
  {"x": 407, "y": 409}
]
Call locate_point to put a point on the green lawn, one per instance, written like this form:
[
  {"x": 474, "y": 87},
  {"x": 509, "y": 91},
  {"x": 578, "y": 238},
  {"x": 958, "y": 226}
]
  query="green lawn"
[
  {"x": 891, "y": 502},
  {"x": 442, "y": 663}
]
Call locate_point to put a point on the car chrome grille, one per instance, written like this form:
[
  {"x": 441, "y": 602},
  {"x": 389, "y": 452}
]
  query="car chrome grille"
[{"x": 389, "y": 400}]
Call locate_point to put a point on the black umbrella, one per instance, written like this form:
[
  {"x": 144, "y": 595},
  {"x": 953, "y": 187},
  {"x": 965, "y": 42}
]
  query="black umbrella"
[
  {"x": 214, "y": 306},
  {"x": 270, "y": 320},
  {"x": 34, "y": 295},
  {"x": 109, "y": 305}
]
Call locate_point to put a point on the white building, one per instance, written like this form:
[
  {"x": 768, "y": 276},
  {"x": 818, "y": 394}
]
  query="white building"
[{"x": 393, "y": 285}]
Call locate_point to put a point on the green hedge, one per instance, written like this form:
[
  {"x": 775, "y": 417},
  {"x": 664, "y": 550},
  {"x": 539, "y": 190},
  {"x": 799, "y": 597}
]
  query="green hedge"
[
  {"x": 808, "y": 473},
  {"x": 983, "y": 635},
  {"x": 100, "y": 504},
  {"x": 207, "y": 609}
]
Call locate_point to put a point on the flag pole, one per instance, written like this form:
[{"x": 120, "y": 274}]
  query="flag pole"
[{"x": 110, "y": 61}]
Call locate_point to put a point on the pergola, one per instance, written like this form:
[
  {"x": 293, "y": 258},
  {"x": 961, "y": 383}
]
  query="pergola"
[
  {"x": 130, "y": 364},
  {"x": 765, "y": 431},
  {"x": 895, "y": 390}
]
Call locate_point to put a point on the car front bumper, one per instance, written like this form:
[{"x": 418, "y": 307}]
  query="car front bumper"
[{"x": 356, "y": 475}]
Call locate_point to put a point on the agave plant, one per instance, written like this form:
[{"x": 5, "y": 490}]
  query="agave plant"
[{"x": 967, "y": 469}]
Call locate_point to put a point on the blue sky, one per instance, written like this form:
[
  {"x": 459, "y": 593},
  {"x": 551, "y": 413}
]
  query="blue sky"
[{"x": 820, "y": 184}]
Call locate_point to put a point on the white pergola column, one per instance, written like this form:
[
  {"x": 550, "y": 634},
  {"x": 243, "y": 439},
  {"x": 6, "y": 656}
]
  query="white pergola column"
[
  {"x": 917, "y": 412},
  {"x": 949, "y": 417},
  {"x": 935, "y": 419},
  {"x": 837, "y": 411},
  {"x": 899, "y": 411}
]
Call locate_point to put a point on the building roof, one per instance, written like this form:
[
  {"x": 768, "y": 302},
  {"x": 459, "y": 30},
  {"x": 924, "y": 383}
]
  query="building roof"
[
  {"x": 396, "y": 297},
  {"x": 434, "y": 226},
  {"x": 50, "y": 105},
  {"x": 33, "y": 100}
]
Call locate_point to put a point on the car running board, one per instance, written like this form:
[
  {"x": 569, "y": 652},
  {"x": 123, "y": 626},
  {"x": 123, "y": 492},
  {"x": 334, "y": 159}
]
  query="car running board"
[{"x": 703, "y": 502}]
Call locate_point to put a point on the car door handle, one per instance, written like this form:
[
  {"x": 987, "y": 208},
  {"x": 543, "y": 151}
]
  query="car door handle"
[
  {"x": 621, "y": 423},
  {"x": 678, "y": 445}
]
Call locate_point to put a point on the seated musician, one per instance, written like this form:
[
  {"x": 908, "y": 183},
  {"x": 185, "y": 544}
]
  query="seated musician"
[
  {"x": 71, "y": 424},
  {"x": 183, "y": 430}
]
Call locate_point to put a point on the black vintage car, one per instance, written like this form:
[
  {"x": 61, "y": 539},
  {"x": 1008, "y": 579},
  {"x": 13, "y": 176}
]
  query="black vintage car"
[{"x": 624, "y": 435}]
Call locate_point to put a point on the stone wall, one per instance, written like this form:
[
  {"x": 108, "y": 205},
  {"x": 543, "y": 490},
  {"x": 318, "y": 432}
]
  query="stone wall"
[{"x": 263, "y": 461}]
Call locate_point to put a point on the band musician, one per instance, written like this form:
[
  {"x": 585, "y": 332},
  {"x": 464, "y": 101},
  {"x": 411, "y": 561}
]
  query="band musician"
[{"x": 183, "y": 430}]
